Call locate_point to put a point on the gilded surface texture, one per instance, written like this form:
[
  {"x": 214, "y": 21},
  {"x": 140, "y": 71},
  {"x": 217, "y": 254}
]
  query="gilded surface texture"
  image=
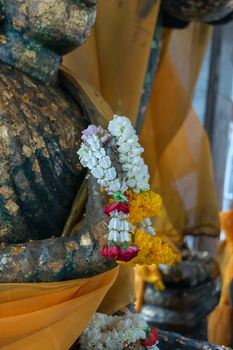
[
  {"x": 62, "y": 258},
  {"x": 36, "y": 33},
  {"x": 61, "y": 25},
  {"x": 40, "y": 131}
]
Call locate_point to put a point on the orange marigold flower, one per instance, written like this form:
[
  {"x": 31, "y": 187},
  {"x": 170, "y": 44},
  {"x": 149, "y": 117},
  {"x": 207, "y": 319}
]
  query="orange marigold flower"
[
  {"x": 153, "y": 250},
  {"x": 143, "y": 205}
]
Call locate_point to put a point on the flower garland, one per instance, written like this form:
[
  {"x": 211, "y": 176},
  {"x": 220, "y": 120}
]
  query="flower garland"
[
  {"x": 131, "y": 203},
  {"x": 116, "y": 332}
]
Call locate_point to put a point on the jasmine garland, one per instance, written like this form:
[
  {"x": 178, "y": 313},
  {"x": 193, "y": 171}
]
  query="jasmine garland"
[
  {"x": 114, "y": 332},
  {"x": 136, "y": 172},
  {"x": 134, "y": 178}
]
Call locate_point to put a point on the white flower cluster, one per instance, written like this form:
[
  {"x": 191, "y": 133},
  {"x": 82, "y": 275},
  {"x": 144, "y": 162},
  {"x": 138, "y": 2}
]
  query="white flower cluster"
[
  {"x": 112, "y": 332},
  {"x": 119, "y": 228},
  {"x": 146, "y": 224},
  {"x": 137, "y": 176},
  {"x": 93, "y": 156}
]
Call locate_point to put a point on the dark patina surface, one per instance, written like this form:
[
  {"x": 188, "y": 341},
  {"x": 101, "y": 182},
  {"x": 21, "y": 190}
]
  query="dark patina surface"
[
  {"x": 190, "y": 295},
  {"x": 174, "y": 341},
  {"x": 36, "y": 33},
  {"x": 194, "y": 269},
  {"x": 59, "y": 258},
  {"x": 201, "y": 10},
  {"x": 42, "y": 114},
  {"x": 40, "y": 132},
  {"x": 179, "y": 298}
]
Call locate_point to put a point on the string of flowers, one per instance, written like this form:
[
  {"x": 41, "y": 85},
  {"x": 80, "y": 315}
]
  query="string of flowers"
[
  {"x": 116, "y": 332},
  {"x": 131, "y": 203},
  {"x": 93, "y": 156}
]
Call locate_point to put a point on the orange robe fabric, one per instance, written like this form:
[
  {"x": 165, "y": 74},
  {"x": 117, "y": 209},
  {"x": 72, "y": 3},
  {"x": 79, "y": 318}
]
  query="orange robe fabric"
[
  {"x": 221, "y": 319},
  {"x": 49, "y": 316},
  {"x": 114, "y": 60}
]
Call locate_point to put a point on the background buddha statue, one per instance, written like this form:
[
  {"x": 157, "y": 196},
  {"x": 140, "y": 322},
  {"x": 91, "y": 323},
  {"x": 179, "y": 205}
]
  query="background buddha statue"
[
  {"x": 210, "y": 11},
  {"x": 40, "y": 133}
]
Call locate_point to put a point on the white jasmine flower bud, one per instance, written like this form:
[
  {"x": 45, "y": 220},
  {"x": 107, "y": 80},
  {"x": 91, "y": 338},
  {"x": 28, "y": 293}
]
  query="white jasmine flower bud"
[
  {"x": 92, "y": 139},
  {"x": 110, "y": 174},
  {"x": 124, "y": 148},
  {"x": 105, "y": 162},
  {"x": 118, "y": 125},
  {"x": 122, "y": 225},
  {"x": 150, "y": 230},
  {"x": 131, "y": 183},
  {"x": 113, "y": 236},
  {"x": 100, "y": 153},
  {"x": 137, "y": 160},
  {"x": 146, "y": 221},
  {"x": 92, "y": 163},
  {"x": 114, "y": 186},
  {"x": 114, "y": 224},
  {"x": 124, "y": 187},
  {"x": 124, "y": 159},
  {"x": 83, "y": 150},
  {"x": 124, "y": 236},
  {"x": 126, "y": 167},
  {"x": 125, "y": 226},
  {"x": 98, "y": 172}
]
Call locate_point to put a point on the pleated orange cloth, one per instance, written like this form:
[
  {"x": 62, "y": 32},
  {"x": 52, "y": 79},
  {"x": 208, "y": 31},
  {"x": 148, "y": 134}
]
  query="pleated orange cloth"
[
  {"x": 114, "y": 60},
  {"x": 49, "y": 316},
  {"x": 221, "y": 319}
]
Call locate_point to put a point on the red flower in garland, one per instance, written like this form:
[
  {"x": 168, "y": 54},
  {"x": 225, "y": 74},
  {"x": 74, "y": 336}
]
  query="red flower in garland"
[
  {"x": 128, "y": 254},
  {"x": 152, "y": 338},
  {"x": 111, "y": 253},
  {"x": 119, "y": 206},
  {"x": 117, "y": 253}
]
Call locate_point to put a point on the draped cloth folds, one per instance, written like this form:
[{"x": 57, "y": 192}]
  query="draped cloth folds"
[
  {"x": 221, "y": 319},
  {"x": 114, "y": 59},
  {"x": 176, "y": 145},
  {"x": 49, "y": 316}
]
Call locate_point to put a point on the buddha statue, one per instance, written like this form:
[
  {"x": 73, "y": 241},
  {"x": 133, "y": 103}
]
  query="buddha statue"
[
  {"x": 210, "y": 11},
  {"x": 42, "y": 114}
]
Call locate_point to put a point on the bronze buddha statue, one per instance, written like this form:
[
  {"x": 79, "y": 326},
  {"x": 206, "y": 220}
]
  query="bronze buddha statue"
[
  {"x": 40, "y": 133},
  {"x": 210, "y": 11}
]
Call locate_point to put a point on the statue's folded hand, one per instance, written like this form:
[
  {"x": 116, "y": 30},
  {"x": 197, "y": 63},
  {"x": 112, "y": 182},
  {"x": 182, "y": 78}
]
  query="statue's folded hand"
[{"x": 61, "y": 258}]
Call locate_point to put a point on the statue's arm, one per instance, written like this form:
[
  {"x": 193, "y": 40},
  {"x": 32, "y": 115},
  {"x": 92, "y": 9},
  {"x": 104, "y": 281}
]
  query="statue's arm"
[{"x": 62, "y": 258}]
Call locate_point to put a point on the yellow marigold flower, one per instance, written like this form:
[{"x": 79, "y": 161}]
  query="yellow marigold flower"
[
  {"x": 153, "y": 250},
  {"x": 144, "y": 205}
]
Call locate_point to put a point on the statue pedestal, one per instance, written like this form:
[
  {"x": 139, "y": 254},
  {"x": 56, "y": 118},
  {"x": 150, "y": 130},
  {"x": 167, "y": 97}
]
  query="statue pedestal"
[
  {"x": 189, "y": 297},
  {"x": 174, "y": 341}
]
